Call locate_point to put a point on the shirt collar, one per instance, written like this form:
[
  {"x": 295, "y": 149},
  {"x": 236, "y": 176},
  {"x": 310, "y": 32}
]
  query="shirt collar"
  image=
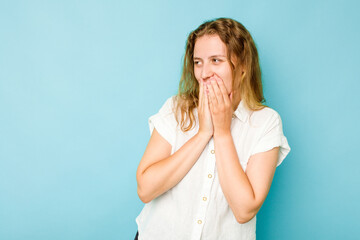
[{"x": 242, "y": 112}]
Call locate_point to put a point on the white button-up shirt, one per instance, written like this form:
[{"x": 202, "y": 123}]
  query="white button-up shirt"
[{"x": 196, "y": 207}]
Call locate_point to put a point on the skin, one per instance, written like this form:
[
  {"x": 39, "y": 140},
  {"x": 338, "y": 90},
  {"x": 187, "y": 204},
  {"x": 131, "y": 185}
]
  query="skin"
[
  {"x": 159, "y": 171},
  {"x": 211, "y": 65}
]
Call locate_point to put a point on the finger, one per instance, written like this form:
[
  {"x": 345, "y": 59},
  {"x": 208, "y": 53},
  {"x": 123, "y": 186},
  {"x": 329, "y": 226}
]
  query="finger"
[
  {"x": 209, "y": 103},
  {"x": 206, "y": 99},
  {"x": 212, "y": 97},
  {"x": 217, "y": 91},
  {"x": 223, "y": 90},
  {"x": 203, "y": 96},
  {"x": 203, "y": 103},
  {"x": 200, "y": 92}
]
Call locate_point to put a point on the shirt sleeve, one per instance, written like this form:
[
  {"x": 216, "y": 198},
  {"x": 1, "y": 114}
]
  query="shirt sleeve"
[
  {"x": 272, "y": 136},
  {"x": 164, "y": 122}
]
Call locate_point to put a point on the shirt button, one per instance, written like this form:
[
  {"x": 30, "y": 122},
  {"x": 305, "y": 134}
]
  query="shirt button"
[
  {"x": 204, "y": 198},
  {"x": 199, "y": 222},
  {"x": 212, "y": 151},
  {"x": 209, "y": 176}
]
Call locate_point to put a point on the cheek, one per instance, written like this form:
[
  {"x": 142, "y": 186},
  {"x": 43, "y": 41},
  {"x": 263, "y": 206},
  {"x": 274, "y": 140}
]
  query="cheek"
[
  {"x": 197, "y": 75},
  {"x": 227, "y": 78}
]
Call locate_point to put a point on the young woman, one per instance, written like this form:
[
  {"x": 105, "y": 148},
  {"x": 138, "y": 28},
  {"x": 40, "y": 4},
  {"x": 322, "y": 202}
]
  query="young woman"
[{"x": 214, "y": 147}]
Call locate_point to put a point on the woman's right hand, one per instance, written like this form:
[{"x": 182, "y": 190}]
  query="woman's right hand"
[{"x": 205, "y": 122}]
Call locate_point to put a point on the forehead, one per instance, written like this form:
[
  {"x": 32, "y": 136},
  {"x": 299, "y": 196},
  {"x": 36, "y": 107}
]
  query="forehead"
[{"x": 209, "y": 45}]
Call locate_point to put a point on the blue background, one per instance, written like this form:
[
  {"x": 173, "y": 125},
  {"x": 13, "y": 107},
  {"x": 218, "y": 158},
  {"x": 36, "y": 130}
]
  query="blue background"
[{"x": 79, "y": 79}]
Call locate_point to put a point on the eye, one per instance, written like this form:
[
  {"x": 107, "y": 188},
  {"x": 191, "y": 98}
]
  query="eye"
[
  {"x": 216, "y": 60},
  {"x": 196, "y": 62}
]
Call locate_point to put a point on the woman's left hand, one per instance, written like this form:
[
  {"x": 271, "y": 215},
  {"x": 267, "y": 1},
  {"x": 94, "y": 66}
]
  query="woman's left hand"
[{"x": 220, "y": 105}]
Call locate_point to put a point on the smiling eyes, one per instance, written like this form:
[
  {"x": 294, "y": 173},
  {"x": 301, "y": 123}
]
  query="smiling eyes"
[{"x": 213, "y": 60}]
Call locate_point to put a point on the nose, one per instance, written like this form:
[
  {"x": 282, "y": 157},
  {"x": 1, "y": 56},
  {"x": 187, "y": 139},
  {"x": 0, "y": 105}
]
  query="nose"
[{"x": 206, "y": 72}]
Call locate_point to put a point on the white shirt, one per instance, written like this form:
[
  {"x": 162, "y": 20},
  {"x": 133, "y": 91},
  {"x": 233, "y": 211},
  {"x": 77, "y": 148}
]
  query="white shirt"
[{"x": 196, "y": 207}]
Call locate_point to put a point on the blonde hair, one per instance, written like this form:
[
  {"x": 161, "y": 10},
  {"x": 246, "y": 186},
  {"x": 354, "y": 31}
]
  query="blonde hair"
[{"x": 246, "y": 83}]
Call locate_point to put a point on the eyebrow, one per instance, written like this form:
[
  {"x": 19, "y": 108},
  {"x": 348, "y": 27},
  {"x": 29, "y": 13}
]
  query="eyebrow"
[{"x": 213, "y": 56}]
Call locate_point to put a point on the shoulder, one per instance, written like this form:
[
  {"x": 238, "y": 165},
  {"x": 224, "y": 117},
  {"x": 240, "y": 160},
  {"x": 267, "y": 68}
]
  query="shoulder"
[
  {"x": 168, "y": 106},
  {"x": 167, "y": 112},
  {"x": 263, "y": 117},
  {"x": 267, "y": 126}
]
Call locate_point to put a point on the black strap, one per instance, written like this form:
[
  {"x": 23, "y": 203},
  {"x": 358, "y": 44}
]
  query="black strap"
[{"x": 136, "y": 237}]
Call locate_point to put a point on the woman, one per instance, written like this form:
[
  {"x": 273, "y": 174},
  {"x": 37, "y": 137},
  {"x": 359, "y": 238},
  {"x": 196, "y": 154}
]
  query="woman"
[{"x": 214, "y": 147}]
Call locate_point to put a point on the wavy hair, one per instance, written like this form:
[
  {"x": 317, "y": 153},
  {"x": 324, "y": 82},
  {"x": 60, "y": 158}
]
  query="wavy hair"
[{"x": 246, "y": 72}]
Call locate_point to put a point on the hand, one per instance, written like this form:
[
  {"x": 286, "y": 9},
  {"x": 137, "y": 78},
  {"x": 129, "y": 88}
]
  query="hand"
[
  {"x": 220, "y": 106},
  {"x": 205, "y": 122}
]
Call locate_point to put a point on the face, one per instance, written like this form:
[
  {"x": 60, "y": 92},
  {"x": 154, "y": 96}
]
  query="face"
[{"x": 210, "y": 57}]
